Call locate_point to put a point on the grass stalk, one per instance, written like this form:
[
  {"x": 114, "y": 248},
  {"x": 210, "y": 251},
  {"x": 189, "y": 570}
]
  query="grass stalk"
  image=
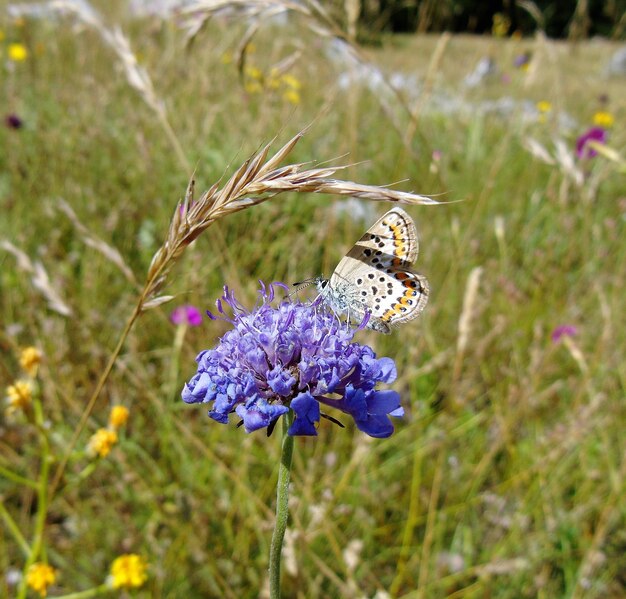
[{"x": 94, "y": 397}]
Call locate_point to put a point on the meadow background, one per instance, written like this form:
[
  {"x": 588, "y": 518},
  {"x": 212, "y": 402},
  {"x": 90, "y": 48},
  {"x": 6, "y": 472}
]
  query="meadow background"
[{"x": 505, "y": 478}]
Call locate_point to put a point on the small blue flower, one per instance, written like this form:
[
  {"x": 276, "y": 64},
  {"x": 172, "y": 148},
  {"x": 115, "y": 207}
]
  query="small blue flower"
[{"x": 296, "y": 357}]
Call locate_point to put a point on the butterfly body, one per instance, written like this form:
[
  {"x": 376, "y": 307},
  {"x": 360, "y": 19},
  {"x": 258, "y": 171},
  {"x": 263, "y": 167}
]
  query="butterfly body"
[{"x": 375, "y": 277}]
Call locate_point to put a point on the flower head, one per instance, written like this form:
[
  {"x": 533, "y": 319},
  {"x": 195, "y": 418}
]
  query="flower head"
[
  {"x": 118, "y": 417},
  {"x": 292, "y": 357},
  {"x": 583, "y": 150},
  {"x": 30, "y": 358},
  {"x": 186, "y": 314},
  {"x": 101, "y": 442},
  {"x": 602, "y": 118},
  {"x": 17, "y": 52},
  {"x": 292, "y": 96},
  {"x": 545, "y": 108},
  {"x": 12, "y": 121},
  {"x": 521, "y": 61},
  {"x": 563, "y": 330},
  {"x": 19, "y": 395},
  {"x": 128, "y": 571},
  {"x": 254, "y": 73},
  {"x": 292, "y": 82},
  {"x": 39, "y": 577}
]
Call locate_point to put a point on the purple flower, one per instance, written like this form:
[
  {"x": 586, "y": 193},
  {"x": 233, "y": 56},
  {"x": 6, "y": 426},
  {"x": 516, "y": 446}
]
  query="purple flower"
[
  {"x": 186, "y": 314},
  {"x": 563, "y": 330},
  {"x": 12, "y": 121},
  {"x": 296, "y": 357},
  {"x": 521, "y": 60},
  {"x": 583, "y": 151}
]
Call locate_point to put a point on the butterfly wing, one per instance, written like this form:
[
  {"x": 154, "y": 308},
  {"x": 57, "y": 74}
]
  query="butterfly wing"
[
  {"x": 375, "y": 275},
  {"x": 394, "y": 234}
]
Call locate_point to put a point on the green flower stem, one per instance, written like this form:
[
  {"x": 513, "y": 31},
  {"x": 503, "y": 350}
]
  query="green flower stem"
[
  {"x": 282, "y": 507},
  {"x": 14, "y": 529},
  {"x": 16, "y": 478},
  {"x": 42, "y": 497}
]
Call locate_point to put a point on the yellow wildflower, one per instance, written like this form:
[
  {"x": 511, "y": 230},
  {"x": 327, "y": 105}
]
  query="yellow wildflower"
[
  {"x": 118, "y": 416},
  {"x": 253, "y": 87},
  {"x": 273, "y": 79},
  {"x": 603, "y": 119},
  {"x": 101, "y": 442},
  {"x": 30, "y": 358},
  {"x": 292, "y": 82},
  {"x": 292, "y": 96},
  {"x": 544, "y": 106},
  {"x": 254, "y": 73},
  {"x": 128, "y": 571},
  {"x": 20, "y": 395},
  {"x": 39, "y": 577},
  {"x": 226, "y": 58},
  {"x": 18, "y": 52}
]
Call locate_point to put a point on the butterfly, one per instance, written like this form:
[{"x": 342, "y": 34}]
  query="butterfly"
[{"x": 375, "y": 276}]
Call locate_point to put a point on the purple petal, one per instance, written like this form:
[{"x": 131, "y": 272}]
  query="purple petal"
[
  {"x": 12, "y": 121},
  {"x": 187, "y": 314},
  {"x": 280, "y": 381},
  {"x": 379, "y": 427},
  {"x": 307, "y": 412},
  {"x": 380, "y": 403},
  {"x": 564, "y": 330},
  {"x": 259, "y": 414},
  {"x": 596, "y": 134},
  {"x": 194, "y": 316}
]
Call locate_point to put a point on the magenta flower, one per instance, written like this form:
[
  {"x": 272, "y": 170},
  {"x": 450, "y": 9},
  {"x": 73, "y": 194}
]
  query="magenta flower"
[
  {"x": 563, "y": 330},
  {"x": 583, "y": 151},
  {"x": 186, "y": 314}
]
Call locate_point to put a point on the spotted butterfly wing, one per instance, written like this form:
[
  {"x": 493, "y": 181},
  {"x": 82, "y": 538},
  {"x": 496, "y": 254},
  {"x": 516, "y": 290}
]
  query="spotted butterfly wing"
[{"x": 375, "y": 275}]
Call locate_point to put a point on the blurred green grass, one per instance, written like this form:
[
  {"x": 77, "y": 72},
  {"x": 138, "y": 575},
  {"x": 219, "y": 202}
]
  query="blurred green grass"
[{"x": 505, "y": 479}]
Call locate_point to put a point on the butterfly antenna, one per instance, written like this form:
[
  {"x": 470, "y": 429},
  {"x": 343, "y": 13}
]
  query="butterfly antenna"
[{"x": 302, "y": 285}]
